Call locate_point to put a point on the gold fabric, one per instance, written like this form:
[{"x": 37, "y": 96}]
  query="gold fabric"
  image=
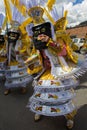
[{"x": 47, "y": 76}]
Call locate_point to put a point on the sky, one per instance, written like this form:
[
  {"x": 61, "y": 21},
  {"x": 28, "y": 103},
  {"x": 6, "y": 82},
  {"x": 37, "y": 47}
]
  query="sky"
[{"x": 77, "y": 10}]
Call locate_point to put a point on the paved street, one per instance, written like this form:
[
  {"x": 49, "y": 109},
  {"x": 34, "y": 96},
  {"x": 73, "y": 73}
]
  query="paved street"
[{"x": 15, "y": 116}]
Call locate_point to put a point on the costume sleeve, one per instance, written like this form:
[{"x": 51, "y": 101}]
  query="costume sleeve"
[{"x": 55, "y": 48}]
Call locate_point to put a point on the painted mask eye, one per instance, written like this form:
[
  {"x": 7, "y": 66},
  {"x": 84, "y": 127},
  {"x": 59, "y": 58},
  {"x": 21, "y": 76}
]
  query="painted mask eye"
[
  {"x": 36, "y": 33},
  {"x": 43, "y": 30}
]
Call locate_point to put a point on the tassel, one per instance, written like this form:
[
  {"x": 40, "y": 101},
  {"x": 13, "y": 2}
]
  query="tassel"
[{"x": 50, "y": 4}]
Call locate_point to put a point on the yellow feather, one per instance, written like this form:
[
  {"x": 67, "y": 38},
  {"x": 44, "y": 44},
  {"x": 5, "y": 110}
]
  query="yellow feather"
[
  {"x": 49, "y": 16},
  {"x": 4, "y": 23},
  {"x": 50, "y": 4},
  {"x": 24, "y": 24},
  {"x": 8, "y": 10},
  {"x": 21, "y": 8},
  {"x": 65, "y": 13}
]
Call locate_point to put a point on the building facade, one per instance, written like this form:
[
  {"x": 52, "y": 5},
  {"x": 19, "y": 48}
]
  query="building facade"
[{"x": 79, "y": 31}]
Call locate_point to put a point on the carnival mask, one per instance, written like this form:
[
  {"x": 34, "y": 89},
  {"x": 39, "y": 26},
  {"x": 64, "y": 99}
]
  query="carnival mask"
[
  {"x": 44, "y": 28},
  {"x": 13, "y": 36}
]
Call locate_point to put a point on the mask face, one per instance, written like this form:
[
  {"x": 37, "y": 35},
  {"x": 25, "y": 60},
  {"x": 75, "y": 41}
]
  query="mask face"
[
  {"x": 36, "y": 13},
  {"x": 13, "y": 37},
  {"x": 2, "y": 40},
  {"x": 44, "y": 28}
]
